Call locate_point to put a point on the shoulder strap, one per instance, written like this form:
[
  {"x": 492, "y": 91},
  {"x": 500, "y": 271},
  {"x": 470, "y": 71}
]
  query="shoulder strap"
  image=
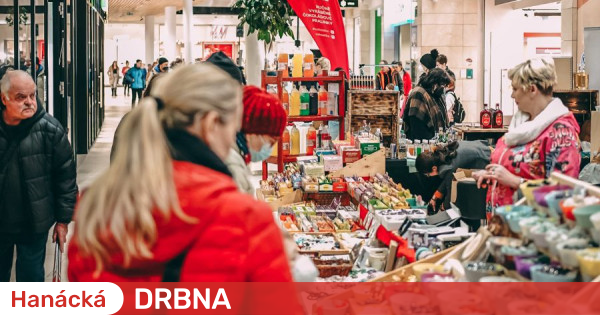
[{"x": 172, "y": 272}]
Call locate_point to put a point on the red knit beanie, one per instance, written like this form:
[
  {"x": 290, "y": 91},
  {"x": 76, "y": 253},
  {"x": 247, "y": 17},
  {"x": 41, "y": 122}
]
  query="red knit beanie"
[{"x": 263, "y": 113}]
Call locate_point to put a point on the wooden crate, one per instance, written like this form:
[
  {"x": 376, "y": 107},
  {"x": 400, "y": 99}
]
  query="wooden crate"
[
  {"x": 374, "y": 102},
  {"x": 379, "y": 108}
]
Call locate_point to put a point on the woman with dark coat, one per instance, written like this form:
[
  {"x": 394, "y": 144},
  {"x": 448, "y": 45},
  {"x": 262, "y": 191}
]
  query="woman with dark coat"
[{"x": 425, "y": 110}]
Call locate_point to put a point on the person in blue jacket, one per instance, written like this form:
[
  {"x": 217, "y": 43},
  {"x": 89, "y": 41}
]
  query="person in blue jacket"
[{"x": 137, "y": 77}]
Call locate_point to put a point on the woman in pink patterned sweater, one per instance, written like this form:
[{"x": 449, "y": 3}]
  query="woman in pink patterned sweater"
[{"x": 542, "y": 137}]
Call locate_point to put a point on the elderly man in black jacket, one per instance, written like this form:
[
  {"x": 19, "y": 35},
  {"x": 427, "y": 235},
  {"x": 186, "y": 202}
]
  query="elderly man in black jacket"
[{"x": 37, "y": 179}]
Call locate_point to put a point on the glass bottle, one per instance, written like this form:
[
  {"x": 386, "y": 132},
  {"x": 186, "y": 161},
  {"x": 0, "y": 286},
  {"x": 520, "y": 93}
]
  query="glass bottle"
[
  {"x": 485, "y": 117},
  {"x": 295, "y": 102},
  {"x": 425, "y": 146},
  {"x": 498, "y": 121},
  {"x": 418, "y": 148},
  {"x": 313, "y": 106},
  {"x": 325, "y": 138},
  {"x": 295, "y": 141},
  {"x": 304, "y": 101},
  {"x": 297, "y": 65},
  {"x": 402, "y": 145},
  {"x": 410, "y": 149}
]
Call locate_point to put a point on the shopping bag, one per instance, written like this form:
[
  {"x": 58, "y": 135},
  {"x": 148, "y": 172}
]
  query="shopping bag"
[{"x": 56, "y": 273}]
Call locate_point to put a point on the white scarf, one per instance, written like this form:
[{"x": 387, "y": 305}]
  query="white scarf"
[{"x": 522, "y": 130}]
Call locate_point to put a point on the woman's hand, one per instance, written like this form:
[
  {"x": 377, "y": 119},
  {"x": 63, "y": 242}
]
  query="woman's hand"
[{"x": 497, "y": 174}]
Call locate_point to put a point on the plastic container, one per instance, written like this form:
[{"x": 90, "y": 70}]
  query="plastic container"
[
  {"x": 568, "y": 257},
  {"x": 477, "y": 270},
  {"x": 282, "y": 64},
  {"x": 583, "y": 214},
  {"x": 304, "y": 101},
  {"x": 589, "y": 262},
  {"x": 297, "y": 66},
  {"x": 295, "y": 102},
  {"x": 537, "y": 275},
  {"x": 309, "y": 66}
]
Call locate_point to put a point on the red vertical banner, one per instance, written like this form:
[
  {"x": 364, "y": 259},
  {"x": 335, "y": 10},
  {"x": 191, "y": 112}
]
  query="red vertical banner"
[{"x": 323, "y": 19}]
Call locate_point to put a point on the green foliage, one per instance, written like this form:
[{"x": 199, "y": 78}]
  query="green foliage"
[{"x": 270, "y": 18}]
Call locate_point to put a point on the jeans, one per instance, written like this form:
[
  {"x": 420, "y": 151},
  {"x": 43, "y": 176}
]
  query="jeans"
[
  {"x": 30, "y": 258},
  {"x": 138, "y": 93}
]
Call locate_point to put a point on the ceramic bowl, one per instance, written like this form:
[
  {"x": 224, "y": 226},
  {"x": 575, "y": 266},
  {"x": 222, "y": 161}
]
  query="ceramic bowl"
[
  {"x": 497, "y": 279},
  {"x": 495, "y": 244},
  {"x": 516, "y": 215},
  {"x": 583, "y": 214},
  {"x": 595, "y": 219},
  {"x": 595, "y": 235},
  {"x": 523, "y": 264},
  {"x": 567, "y": 210},
  {"x": 538, "y": 234},
  {"x": 568, "y": 252},
  {"x": 538, "y": 274},
  {"x": 540, "y": 194},
  {"x": 553, "y": 199},
  {"x": 420, "y": 269},
  {"x": 589, "y": 262},
  {"x": 511, "y": 253},
  {"x": 477, "y": 270},
  {"x": 527, "y": 224},
  {"x": 503, "y": 211},
  {"x": 554, "y": 237}
]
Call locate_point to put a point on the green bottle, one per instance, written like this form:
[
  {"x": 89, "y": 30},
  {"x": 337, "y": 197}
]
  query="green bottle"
[{"x": 304, "y": 101}]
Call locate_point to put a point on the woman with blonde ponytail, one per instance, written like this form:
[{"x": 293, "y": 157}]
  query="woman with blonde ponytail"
[{"x": 167, "y": 209}]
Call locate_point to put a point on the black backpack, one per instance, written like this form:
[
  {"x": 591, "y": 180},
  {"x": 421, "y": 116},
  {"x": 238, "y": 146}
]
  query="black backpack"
[{"x": 458, "y": 109}]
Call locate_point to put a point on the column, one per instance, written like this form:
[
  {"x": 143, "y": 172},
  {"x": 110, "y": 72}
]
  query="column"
[
  {"x": 254, "y": 60},
  {"x": 149, "y": 32},
  {"x": 170, "y": 39},
  {"x": 569, "y": 15},
  {"x": 188, "y": 12}
]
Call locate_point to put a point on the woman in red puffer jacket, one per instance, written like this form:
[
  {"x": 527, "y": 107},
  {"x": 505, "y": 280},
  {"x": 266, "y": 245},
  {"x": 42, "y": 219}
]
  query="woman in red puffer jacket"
[
  {"x": 542, "y": 137},
  {"x": 157, "y": 215}
]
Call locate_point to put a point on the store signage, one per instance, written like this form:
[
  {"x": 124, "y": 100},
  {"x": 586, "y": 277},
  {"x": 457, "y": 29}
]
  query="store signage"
[
  {"x": 398, "y": 12},
  {"x": 323, "y": 19},
  {"x": 348, "y": 3}
]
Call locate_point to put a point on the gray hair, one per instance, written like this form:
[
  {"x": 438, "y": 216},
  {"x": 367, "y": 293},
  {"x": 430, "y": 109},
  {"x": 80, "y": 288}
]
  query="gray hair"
[{"x": 5, "y": 82}]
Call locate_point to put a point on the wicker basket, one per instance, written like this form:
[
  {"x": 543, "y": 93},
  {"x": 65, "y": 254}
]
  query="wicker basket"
[{"x": 326, "y": 198}]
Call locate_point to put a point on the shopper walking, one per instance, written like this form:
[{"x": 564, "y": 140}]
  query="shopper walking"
[
  {"x": 446, "y": 160},
  {"x": 384, "y": 77},
  {"x": 37, "y": 179},
  {"x": 263, "y": 123},
  {"x": 126, "y": 83},
  {"x": 113, "y": 77},
  {"x": 162, "y": 66},
  {"x": 167, "y": 208},
  {"x": 542, "y": 137},
  {"x": 425, "y": 110},
  {"x": 136, "y": 76}
]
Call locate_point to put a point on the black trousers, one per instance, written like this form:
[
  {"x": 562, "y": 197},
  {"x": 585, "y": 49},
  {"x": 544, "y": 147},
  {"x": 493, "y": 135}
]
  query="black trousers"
[
  {"x": 126, "y": 88},
  {"x": 138, "y": 93},
  {"x": 31, "y": 253}
]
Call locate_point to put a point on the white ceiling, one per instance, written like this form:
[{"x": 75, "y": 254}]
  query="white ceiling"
[{"x": 122, "y": 11}]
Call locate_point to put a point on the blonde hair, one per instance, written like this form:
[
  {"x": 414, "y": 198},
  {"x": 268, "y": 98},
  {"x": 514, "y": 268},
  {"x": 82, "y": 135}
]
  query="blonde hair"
[
  {"x": 117, "y": 209},
  {"x": 537, "y": 71},
  {"x": 324, "y": 63}
]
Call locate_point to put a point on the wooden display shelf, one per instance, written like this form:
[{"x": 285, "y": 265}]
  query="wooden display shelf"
[
  {"x": 279, "y": 81},
  {"x": 312, "y": 118}
]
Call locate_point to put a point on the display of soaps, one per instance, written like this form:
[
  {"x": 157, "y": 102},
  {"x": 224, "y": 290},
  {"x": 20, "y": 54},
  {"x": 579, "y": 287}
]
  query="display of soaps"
[{"x": 319, "y": 219}]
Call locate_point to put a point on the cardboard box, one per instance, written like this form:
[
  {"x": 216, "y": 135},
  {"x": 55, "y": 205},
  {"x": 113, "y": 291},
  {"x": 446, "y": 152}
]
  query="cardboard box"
[
  {"x": 319, "y": 152},
  {"x": 340, "y": 186},
  {"x": 307, "y": 159},
  {"x": 332, "y": 163},
  {"x": 276, "y": 203},
  {"x": 350, "y": 155},
  {"x": 368, "y": 145},
  {"x": 313, "y": 169}
]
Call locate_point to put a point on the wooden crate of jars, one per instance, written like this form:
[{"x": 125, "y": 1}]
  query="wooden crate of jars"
[
  {"x": 379, "y": 108},
  {"x": 387, "y": 123}
]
